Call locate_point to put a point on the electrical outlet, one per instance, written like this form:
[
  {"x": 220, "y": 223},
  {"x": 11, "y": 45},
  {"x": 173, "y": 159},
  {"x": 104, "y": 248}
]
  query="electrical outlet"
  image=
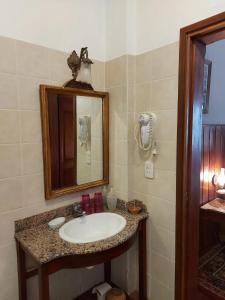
[{"x": 149, "y": 169}]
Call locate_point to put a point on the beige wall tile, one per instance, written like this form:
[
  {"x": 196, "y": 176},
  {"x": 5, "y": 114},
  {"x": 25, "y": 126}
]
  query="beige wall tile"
[
  {"x": 166, "y": 158},
  {"x": 28, "y": 91},
  {"x": 8, "y": 91},
  {"x": 8, "y": 261},
  {"x": 9, "y": 129},
  {"x": 118, "y": 152},
  {"x": 166, "y": 125},
  {"x": 163, "y": 185},
  {"x": 32, "y": 60},
  {"x": 118, "y": 99},
  {"x": 143, "y": 97},
  {"x": 118, "y": 178},
  {"x": 131, "y": 94},
  {"x": 10, "y": 158},
  {"x": 138, "y": 181},
  {"x": 144, "y": 67},
  {"x": 118, "y": 125},
  {"x": 9, "y": 288},
  {"x": 131, "y": 126},
  {"x": 164, "y": 93},
  {"x": 173, "y": 218},
  {"x": 98, "y": 75},
  {"x": 116, "y": 71},
  {"x": 163, "y": 242},
  {"x": 162, "y": 270},
  {"x": 8, "y": 55},
  {"x": 165, "y": 61},
  {"x": 131, "y": 69},
  {"x": 161, "y": 212},
  {"x": 160, "y": 291},
  {"x": 33, "y": 189},
  {"x": 31, "y": 126},
  {"x": 59, "y": 69},
  {"x": 135, "y": 155},
  {"x": 7, "y": 226},
  {"x": 10, "y": 194},
  {"x": 32, "y": 158}
]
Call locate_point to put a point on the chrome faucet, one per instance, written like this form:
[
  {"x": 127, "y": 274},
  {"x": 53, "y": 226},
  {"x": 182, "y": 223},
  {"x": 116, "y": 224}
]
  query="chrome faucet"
[{"x": 77, "y": 210}]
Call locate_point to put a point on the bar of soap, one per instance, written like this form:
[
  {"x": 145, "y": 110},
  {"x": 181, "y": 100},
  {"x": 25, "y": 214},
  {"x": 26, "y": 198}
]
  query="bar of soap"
[{"x": 56, "y": 223}]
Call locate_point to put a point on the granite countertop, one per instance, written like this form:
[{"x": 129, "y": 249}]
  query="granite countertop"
[{"x": 45, "y": 244}]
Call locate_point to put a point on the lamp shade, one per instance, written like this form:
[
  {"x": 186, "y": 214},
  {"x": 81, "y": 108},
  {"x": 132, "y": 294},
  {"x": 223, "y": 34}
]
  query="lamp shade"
[
  {"x": 221, "y": 178},
  {"x": 84, "y": 74}
]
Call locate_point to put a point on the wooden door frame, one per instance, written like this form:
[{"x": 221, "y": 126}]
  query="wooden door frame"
[{"x": 207, "y": 31}]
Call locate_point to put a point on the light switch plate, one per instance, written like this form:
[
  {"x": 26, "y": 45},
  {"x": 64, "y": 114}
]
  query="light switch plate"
[{"x": 149, "y": 169}]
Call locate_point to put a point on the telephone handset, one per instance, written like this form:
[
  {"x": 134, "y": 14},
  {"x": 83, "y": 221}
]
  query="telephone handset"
[{"x": 144, "y": 131}]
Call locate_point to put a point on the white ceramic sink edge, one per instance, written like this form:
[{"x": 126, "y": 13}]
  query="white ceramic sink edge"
[{"x": 92, "y": 228}]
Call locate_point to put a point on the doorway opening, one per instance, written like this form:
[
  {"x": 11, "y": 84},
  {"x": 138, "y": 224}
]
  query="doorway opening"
[{"x": 200, "y": 214}]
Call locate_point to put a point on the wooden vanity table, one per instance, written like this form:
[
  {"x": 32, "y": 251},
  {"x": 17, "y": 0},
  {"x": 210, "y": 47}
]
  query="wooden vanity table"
[{"x": 51, "y": 253}]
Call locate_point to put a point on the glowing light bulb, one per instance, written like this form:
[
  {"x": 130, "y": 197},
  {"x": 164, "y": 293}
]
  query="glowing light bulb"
[{"x": 221, "y": 178}]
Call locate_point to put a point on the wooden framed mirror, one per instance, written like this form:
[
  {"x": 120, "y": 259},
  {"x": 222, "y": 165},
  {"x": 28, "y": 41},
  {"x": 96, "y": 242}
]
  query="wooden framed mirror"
[{"x": 75, "y": 130}]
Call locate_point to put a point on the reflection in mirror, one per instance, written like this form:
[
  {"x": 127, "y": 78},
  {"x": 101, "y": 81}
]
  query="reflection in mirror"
[
  {"x": 89, "y": 139},
  {"x": 75, "y": 136},
  {"x": 76, "y": 139}
]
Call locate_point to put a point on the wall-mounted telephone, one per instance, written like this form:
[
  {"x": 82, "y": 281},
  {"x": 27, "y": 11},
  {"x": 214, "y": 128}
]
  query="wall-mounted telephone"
[
  {"x": 144, "y": 131},
  {"x": 84, "y": 130}
]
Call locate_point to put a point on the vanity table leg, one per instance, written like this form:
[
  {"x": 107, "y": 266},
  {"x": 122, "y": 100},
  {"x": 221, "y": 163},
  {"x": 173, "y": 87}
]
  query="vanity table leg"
[
  {"x": 107, "y": 271},
  {"x": 21, "y": 263},
  {"x": 142, "y": 261},
  {"x": 43, "y": 283}
]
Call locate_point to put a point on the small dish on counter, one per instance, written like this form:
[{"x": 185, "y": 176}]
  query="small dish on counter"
[
  {"x": 134, "y": 210},
  {"x": 134, "y": 207},
  {"x": 56, "y": 223}
]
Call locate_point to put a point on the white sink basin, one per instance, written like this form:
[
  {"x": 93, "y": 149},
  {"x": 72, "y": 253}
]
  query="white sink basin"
[{"x": 92, "y": 228}]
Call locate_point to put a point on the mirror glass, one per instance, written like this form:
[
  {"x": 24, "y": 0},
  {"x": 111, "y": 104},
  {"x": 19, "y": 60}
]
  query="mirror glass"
[
  {"x": 89, "y": 139},
  {"x": 75, "y": 124},
  {"x": 75, "y": 136}
]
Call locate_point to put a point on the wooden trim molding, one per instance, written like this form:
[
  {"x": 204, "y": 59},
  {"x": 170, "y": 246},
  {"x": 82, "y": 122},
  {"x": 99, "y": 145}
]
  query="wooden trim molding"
[
  {"x": 191, "y": 39},
  {"x": 49, "y": 191}
]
